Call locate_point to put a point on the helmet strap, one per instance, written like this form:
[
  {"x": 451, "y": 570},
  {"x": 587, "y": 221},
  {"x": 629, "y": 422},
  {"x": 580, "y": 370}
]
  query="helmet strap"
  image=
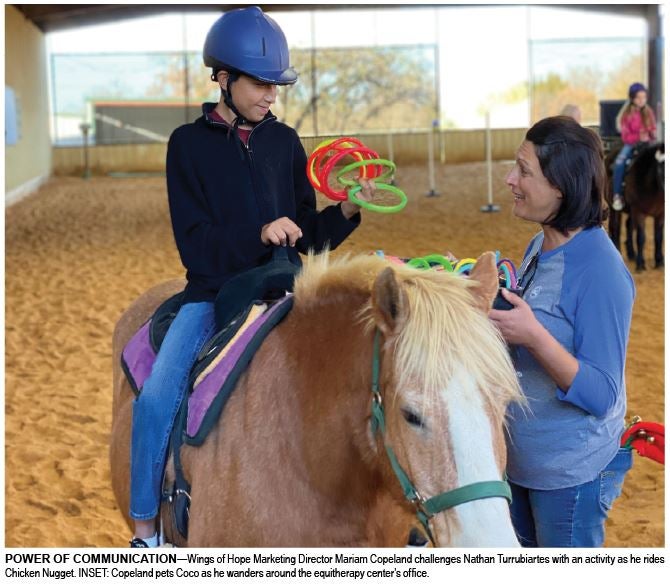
[
  {"x": 239, "y": 118},
  {"x": 228, "y": 100}
]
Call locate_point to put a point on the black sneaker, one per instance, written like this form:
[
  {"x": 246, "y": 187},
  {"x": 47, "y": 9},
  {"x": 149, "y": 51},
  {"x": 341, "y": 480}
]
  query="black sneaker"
[{"x": 136, "y": 542}]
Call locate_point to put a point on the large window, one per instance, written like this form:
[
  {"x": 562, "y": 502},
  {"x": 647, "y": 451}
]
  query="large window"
[
  {"x": 583, "y": 72},
  {"x": 396, "y": 68},
  {"x": 582, "y": 57}
]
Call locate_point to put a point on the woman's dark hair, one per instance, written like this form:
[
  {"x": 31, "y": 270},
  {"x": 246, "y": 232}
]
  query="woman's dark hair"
[{"x": 571, "y": 158}]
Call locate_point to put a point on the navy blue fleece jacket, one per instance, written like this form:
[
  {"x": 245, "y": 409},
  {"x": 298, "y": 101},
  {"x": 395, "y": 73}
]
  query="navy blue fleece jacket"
[{"x": 222, "y": 192}]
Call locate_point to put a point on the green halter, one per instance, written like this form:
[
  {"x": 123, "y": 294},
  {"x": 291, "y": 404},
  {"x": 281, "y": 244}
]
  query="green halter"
[{"x": 426, "y": 509}]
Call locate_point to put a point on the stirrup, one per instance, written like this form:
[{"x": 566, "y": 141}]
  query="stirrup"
[{"x": 618, "y": 203}]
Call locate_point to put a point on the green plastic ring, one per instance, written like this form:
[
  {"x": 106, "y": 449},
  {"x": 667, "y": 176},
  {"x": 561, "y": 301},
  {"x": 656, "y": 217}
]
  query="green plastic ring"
[
  {"x": 354, "y": 165},
  {"x": 436, "y": 258},
  {"x": 419, "y": 263},
  {"x": 379, "y": 208}
]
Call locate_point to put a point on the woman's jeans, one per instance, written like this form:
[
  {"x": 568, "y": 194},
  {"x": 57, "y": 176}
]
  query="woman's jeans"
[
  {"x": 620, "y": 168},
  {"x": 155, "y": 409},
  {"x": 571, "y": 517}
]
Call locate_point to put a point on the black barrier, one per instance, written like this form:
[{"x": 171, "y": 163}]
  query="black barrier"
[{"x": 609, "y": 110}]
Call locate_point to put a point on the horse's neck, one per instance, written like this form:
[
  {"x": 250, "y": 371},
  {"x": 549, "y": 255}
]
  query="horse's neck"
[
  {"x": 335, "y": 356},
  {"x": 645, "y": 184},
  {"x": 294, "y": 448},
  {"x": 331, "y": 357}
]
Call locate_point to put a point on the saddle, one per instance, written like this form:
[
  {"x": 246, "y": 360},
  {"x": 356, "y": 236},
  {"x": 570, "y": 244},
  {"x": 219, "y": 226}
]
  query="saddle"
[
  {"x": 266, "y": 283},
  {"x": 246, "y": 309}
]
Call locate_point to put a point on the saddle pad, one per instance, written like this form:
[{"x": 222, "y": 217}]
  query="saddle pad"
[
  {"x": 138, "y": 358},
  {"x": 213, "y": 386},
  {"x": 139, "y": 354},
  {"x": 255, "y": 311}
]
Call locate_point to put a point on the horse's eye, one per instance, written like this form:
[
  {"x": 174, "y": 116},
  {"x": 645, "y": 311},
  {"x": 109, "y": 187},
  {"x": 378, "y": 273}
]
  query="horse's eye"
[{"x": 412, "y": 418}]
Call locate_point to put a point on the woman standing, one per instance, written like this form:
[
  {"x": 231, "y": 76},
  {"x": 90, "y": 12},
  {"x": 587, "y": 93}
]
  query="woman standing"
[{"x": 569, "y": 333}]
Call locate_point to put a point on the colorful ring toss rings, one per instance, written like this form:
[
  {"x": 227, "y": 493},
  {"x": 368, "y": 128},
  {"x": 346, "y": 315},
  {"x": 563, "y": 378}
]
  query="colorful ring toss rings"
[
  {"x": 328, "y": 153},
  {"x": 507, "y": 274}
]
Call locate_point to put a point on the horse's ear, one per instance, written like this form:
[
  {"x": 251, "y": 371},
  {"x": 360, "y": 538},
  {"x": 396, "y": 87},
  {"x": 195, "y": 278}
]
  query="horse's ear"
[
  {"x": 485, "y": 273},
  {"x": 389, "y": 303}
]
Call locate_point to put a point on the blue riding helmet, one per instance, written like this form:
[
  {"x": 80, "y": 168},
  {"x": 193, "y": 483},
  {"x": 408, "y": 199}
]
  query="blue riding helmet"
[
  {"x": 634, "y": 89},
  {"x": 248, "y": 41}
]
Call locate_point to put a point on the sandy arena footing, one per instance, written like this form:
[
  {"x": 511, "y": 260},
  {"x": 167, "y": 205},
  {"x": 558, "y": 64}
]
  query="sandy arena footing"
[{"x": 78, "y": 252}]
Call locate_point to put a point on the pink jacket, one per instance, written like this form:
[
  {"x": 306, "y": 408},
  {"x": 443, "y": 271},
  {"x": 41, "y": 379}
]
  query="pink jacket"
[{"x": 632, "y": 126}]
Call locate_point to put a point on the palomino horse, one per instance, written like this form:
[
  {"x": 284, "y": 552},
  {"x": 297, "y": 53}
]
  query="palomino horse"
[
  {"x": 294, "y": 459},
  {"x": 645, "y": 197}
]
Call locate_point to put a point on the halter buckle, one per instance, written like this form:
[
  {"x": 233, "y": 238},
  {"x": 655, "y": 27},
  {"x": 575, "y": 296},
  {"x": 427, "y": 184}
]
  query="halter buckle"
[{"x": 420, "y": 503}]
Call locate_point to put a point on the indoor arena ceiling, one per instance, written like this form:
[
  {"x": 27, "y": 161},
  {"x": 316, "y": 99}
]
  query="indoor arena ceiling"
[{"x": 56, "y": 17}]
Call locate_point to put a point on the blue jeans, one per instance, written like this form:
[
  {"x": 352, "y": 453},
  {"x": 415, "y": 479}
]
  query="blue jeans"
[
  {"x": 156, "y": 407},
  {"x": 620, "y": 168},
  {"x": 571, "y": 517}
]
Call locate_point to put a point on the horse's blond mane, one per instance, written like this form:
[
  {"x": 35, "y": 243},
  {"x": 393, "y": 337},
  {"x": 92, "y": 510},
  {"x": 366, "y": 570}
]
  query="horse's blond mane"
[{"x": 443, "y": 330}]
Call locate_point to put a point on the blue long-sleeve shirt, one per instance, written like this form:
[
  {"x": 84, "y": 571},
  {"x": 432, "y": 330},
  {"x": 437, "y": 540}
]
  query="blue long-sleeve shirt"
[
  {"x": 222, "y": 192},
  {"x": 582, "y": 293}
]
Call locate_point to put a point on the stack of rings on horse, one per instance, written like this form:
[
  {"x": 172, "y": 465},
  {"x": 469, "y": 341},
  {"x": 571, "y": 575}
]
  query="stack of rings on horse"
[
  {"x": 507, "y": 273},
  {"x": 376, "y": 406},
  {"x": 328, "y": 153},
  {"x": 506, "y": 268}
]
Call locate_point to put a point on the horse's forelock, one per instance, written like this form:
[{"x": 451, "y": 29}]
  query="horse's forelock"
[{"x": 444, "y": 330}]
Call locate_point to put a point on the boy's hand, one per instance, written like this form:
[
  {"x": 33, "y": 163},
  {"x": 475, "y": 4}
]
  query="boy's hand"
[
  {"x": 366, "y": 193},
  {"x": 280, "y": 232}
]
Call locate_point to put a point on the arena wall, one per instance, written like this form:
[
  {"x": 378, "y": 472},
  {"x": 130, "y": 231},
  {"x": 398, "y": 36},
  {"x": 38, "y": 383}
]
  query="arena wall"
[
  {"x": 28, "y": 161},
  {"x": 450, "y": 146}
]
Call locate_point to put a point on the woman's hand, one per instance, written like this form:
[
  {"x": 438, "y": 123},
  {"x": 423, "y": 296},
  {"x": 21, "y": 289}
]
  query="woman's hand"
[
  {"x": 366, "y": 193},
  {"x": 518, "y": 325},
  {"x": 280, "y": 232}
]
